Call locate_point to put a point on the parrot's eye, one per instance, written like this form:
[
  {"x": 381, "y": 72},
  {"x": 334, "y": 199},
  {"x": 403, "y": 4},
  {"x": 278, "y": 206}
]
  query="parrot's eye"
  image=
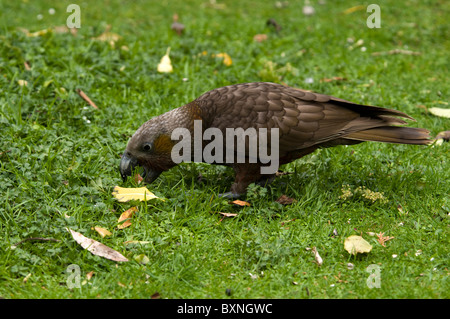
[{"x": 147, "y": 147}]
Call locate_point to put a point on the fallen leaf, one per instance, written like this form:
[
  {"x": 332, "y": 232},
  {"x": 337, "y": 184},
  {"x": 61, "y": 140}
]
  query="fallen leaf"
[
  {"x": 226, "y": 58},
  {"x": 65, "y": 29},
  {"x": 273, "y": 23},
  {"x": 285, "y": 200},
  {"x": 89, "y": 275},
  {"x": 288, "y": 221},
  {"x": 334, "y": 78},
  {"x": 102, "y": 231},
  {"x": 156, "y": 295},
  {"x": 138, "y": 178},
  {"x": 165, "y": 65},
  {"x": 356, "y": 244},
  {"x": 123, "y": 194},
  {"x": 27, "y": 66},
  {"x": 38, "y": 33},
  {"x": 382, "y": 239},
  {"x": 142, "y": 259},
  {"x": 260, "y": 37},
  {"x": 240, "y": 203},
  {"x": 108, "y": 36},
  {"x": 125, "y": 216},
  {"x": 177, "y": 26},
  {"x": 439, "y": 112},
  {"x": 228, "y": 214},
  {"x": 354, "y": 9},
  {"x": 22, "y": 82},
  {"x": 96, "y": 247},
  {"x": 317, "y": 257},
  {"x": 308, "y": 10},
  {"x": 396, "y": 51},
  {"x": 280, "y": 173}
]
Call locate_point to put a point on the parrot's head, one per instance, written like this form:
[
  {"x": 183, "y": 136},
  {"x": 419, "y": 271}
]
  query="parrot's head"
[{"x": 150, "y": 148}]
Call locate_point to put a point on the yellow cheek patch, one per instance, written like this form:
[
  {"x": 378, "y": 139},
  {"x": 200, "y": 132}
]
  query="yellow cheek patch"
[{"x": 163, "y": 144}]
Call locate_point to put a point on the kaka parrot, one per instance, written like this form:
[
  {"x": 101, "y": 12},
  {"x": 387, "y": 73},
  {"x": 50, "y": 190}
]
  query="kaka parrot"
[{"x": 303, "y": 120}]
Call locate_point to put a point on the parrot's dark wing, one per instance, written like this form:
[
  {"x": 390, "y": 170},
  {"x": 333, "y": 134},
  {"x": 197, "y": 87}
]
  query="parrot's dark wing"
[{"x": 304, "y": 118}]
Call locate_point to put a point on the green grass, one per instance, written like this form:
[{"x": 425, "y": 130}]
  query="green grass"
[{"x": 54, "y": 163}]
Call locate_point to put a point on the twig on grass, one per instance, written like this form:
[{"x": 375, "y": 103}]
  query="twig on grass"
[
  {"x": 86, "y": 98},
  {"x": 35, "y": 239}
]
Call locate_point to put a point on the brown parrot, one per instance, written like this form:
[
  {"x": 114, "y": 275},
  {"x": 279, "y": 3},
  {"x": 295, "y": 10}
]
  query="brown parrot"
[{"x": 304, "y": 122}]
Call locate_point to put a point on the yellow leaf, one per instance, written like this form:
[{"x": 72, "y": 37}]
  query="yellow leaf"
[
  {"x": 165, "y": 66},
  {"x": 102, "y": 231},
  {"x": 123, "y": 194},
  {"x": 37, "y": 33},
  {"x": 22, "y": 82},
  {"x": 354, "y": 9},
  {"x": 125, "y": 216},
  {"x": 226, "y": 59},
  {"x": 356, "y": 244},
  {"x": 439, "y": 111}
]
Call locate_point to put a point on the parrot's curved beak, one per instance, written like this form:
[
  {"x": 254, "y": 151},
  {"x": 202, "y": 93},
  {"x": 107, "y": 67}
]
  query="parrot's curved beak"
[{"x": 128, "y": 164}]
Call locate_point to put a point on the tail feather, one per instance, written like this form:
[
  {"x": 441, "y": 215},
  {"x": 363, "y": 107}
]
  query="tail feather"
[{"x": 393, "y": 134}]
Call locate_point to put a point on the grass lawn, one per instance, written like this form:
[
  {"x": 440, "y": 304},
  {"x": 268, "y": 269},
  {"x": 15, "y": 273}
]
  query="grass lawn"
[{"x": 59, "y": 156}]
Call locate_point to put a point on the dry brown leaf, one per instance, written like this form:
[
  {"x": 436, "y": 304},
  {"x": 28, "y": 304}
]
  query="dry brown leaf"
[
  {"x": 138, "y": 178},
  {"x": 260, "y": 37},
  {"x": 382, "y": 239},
  {"x": 280, "y": 173},
  {"x": 317, "y": 257},
  {"x": 156, "y": 295},
  {"x": 227, "y": 214},
  {"x": 177, "y": 26},
  {"x": 108, "y": 36},
  {"x": 125, "y": 216},
  {"x": 89, "y": 275},
  {"x": 96, "y": 247},
  {"x": 334, "y": 78},
  {"x": 285, "y": 200},
  {"x": 240, "y": 202},
  {"x": 273, "y": 23},
  {"x": 288, "y": 221}
]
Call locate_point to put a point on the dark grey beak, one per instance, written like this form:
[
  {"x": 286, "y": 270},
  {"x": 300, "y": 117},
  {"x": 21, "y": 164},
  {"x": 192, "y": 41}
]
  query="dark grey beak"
[{"x": 128, "y": 164}]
